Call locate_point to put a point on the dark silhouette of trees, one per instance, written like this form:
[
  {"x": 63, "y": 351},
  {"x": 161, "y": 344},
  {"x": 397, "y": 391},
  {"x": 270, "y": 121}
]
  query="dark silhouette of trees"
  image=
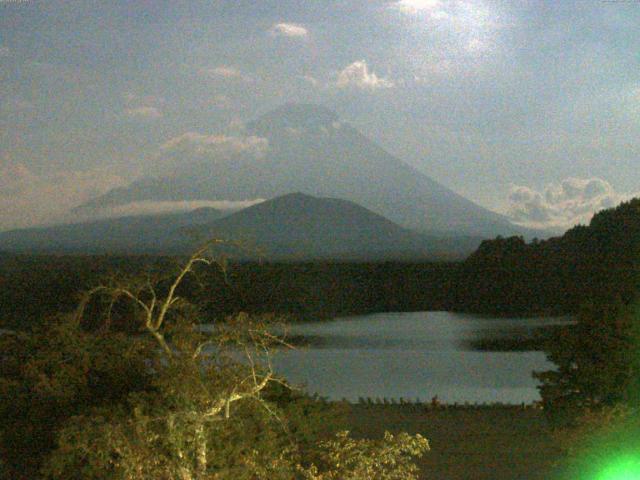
[
  {"x": 598, "y": 262},
  {"x": 598, "y": 359}
]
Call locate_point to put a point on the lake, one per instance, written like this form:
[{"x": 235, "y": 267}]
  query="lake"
[{"x": 414, "y": 355}]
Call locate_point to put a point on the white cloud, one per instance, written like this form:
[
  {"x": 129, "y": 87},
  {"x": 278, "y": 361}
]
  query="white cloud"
[
  {"x": 433, "y": 9},
  {"x": 439, "y": 15},
  {"x": 133, "y": 99},
  {"x": 417, "y": 6},
  {"x": 217, "y": 145},
  {"x": 288, "y": 30},
  {"x": 572, "y": 202},
  {"x": 144, "y": 112},
  {"x": 357, "y": 75},
  {"x": 452, "y": 36},
  {"x": 193, "y": 153},
  {"x": 223, "y": 71},
  {"x": 143, "y": 106},
  {"x": 311, "y": 80},
  {"x": 221, "y": 101},
  {"x": 466, "y": 15},
  {"x": 149, "y": 207},
  {"x": 28, "y": 199},
  {"x": 476, "y": 45}
]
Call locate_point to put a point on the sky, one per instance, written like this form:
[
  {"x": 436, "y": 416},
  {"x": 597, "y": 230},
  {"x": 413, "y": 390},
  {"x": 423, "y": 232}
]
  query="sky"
[{"x": 529, "y": 108}]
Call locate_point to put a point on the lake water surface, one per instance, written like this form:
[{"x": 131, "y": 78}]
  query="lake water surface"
[{"x": 414, "y": 355}]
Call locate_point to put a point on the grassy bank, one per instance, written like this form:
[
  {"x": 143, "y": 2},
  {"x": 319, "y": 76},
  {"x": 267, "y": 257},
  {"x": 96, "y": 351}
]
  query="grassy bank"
[{"x": 486, "y": 443}]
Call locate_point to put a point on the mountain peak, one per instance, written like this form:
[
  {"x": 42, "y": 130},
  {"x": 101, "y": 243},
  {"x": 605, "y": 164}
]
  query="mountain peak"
[
  {"x": 294, "y": 116},
  {"x": 311, "y": 151}
]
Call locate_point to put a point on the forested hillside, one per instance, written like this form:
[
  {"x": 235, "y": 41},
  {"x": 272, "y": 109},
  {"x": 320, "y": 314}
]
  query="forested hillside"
[
  {"x": 599, "y": 261},
  {"x": 32, "y": 287}
]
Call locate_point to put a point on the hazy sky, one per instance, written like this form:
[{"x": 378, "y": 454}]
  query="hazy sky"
[{"x": 526, "y": 107}]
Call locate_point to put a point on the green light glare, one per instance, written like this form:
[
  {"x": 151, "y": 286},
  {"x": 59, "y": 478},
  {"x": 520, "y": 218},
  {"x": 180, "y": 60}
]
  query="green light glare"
[{"x": 625, "y": 468}]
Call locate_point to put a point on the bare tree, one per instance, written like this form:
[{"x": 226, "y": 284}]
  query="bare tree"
[{"x": 227, "y": 363}]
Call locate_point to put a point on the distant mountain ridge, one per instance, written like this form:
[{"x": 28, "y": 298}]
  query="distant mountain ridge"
[
  {"x": 306, "y": 148},
  {"x": 292, "y": 227},
  {"x": 305, "y": 227},
  {"x": 148, "y": 234}
]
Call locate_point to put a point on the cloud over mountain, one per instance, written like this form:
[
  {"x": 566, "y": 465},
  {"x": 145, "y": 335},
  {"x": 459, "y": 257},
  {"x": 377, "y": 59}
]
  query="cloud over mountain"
[
  {"x": 143, "y": 107},
  {"x": 416, "y": 6},
  {"x": 226, "y": 72},
  {"x": 572, "y": 201},
  {"x": 144, "y": 112},
  {"x": 357, "y": 75},
  {"x": 217, "y": 145},
  {"x": 288, "y": 30},
  {"x": 304, "y": 148},
  {"x": 167, "y": 206}
]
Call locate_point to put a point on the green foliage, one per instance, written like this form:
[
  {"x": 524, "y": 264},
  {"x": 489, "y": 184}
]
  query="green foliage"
[
  {"x": 150, "y": 439},
  {"x": 591, "y": 270},
  {"x": 390, "y": 458}
]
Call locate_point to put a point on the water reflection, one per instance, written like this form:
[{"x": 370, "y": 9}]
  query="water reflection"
[{"x": 415, "y": 355}]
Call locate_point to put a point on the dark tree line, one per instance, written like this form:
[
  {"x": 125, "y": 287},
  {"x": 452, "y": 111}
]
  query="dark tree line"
[
  {"x": 599, "y": 263},
  {"x": 309, "y": 290}
]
